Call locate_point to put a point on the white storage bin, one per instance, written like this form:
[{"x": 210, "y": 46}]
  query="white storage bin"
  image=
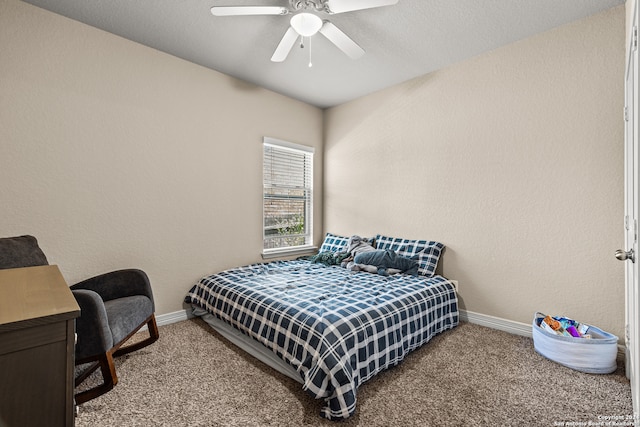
[{"x": 595, "y": 356}]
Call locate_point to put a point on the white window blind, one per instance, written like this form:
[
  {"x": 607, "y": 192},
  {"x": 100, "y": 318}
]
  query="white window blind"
[{"x": 287, "y": 195}]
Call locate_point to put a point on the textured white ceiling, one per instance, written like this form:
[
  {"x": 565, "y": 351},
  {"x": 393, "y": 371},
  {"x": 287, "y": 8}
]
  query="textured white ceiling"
[{"x": 404, "y": 41}]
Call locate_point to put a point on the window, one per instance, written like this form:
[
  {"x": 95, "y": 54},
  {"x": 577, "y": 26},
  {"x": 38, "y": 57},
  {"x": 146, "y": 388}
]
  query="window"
[{"x": 287, "y": 196}]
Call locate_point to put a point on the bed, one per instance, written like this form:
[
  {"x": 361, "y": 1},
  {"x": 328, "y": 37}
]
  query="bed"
[{"x": 329, "y": 328}]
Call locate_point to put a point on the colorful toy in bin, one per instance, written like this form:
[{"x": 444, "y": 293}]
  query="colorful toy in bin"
[
  {"x": 565, "y": 326},
  {"x": 575, "y": 345}
]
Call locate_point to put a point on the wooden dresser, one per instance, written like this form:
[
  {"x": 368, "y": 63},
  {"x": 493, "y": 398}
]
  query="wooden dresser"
[{"x": 37, "y": 339}]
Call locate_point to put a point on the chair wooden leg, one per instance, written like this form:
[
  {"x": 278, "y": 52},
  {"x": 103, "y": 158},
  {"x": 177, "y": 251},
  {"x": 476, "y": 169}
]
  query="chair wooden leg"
[
  {"x": 153, "y": 337},
  {"x": 80, "y": 378},
  {"x": 109, "y": 376},
  {"x": 153, "y": 328},
  {"x": 106, "y": 365}
]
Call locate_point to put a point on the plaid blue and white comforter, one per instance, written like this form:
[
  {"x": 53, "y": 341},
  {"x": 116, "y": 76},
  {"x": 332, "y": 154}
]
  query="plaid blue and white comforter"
[{"x": 337, "y": 328}]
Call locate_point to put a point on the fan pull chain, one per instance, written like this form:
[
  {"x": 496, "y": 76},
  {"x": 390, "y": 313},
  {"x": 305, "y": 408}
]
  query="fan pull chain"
[{"x": 310, "y": 63}]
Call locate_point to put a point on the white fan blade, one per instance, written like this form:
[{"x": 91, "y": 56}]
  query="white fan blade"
[
  {"x": 340, "y": 6},
  {"x": 285, "y": 45},
  {"x": 340, "y": 39},
  {"x": 248, "y": 10}
]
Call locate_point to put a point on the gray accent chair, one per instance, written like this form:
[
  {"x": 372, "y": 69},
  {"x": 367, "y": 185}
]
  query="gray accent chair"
[{"x": 113, "y": 307}]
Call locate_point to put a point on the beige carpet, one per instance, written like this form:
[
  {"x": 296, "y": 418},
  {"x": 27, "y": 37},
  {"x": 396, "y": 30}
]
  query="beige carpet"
[{"x": 469, "y": 376}]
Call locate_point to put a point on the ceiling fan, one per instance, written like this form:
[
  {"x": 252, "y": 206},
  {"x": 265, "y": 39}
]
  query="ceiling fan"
[{"x": 306, "y": 24}]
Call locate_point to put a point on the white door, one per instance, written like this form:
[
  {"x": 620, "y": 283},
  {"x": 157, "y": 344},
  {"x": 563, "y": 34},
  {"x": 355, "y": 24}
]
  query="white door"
[{"x": 632, "y": 187}]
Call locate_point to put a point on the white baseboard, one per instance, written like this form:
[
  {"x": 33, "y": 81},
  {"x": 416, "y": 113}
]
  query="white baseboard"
[
  {"x": 517, "y": 328},
  {"x": 176, "y": 316},
  {"x": 466, "y": 316},
  {"x": 498, "y": 323},
  {"x": 169, "y": 318},
  {"x": 510, "y": 326}
]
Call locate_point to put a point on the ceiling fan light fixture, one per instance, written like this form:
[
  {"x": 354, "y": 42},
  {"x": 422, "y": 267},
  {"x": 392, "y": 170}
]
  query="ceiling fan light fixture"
[{"x": 306, "y": 24}]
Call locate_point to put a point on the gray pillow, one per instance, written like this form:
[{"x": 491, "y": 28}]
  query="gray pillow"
[{"x": 385, "y": 259}]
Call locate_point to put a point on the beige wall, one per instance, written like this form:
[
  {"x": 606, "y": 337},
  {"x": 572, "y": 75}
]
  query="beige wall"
[
  {"x": 630, "y": 9},
  {"x": 116, "y": 155},
  {"x": 513, "y": 159}
]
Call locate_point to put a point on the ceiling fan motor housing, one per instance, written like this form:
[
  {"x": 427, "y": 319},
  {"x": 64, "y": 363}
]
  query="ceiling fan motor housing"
[{"x": 318, "y": 5}]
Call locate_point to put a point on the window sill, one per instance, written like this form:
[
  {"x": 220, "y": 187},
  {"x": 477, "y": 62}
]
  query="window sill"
[{"x": 287, "y": 252}]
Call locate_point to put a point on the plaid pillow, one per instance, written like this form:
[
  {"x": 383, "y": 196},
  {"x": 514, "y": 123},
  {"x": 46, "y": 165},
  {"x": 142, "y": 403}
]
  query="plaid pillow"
[
  {"x": 426, "y": 252},
  {"x": 333, "y": 243}
]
